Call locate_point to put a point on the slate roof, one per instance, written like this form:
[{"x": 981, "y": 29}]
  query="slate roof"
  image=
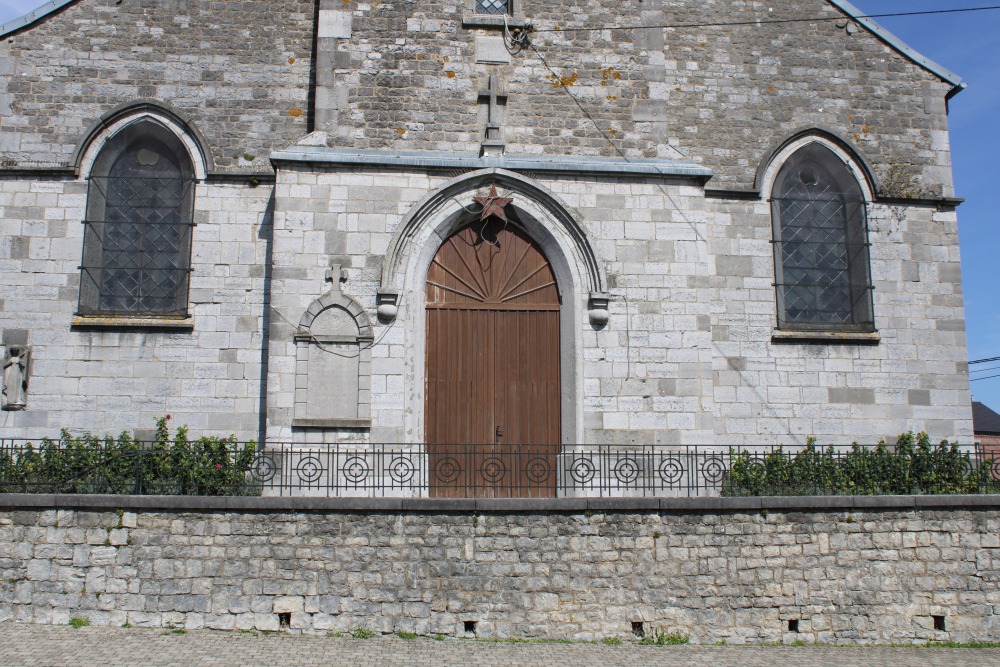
[
  {"x": 843, "y": 5},
  {"x": 984, "y": 420}
]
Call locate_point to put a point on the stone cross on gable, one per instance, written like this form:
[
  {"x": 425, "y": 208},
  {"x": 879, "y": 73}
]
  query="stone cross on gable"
[
  {"x": 494, "y": 96},
  {"x": 336, "y": 275}
]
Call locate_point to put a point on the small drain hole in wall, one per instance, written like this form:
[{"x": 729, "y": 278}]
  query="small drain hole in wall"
[
  {"x": 470, "y": 627},
  {"x": 638, "y": 629},
  {"x": 793, "y": 625},
  {"x": 939, "y": 623},
  {"x": 284, "y": 621}
]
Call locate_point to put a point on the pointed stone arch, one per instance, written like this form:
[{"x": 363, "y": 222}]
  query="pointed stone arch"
[
  {"x": 334, "y": 300},
  {"x": 441, "y": 204},
  {"x": 124, "y": 115},
  {"x": 550, "y": 223},
  {"x": 843, "y": 148}
]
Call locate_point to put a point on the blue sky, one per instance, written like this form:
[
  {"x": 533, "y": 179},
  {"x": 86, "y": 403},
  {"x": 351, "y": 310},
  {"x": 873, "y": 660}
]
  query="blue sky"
[{"x": 968, "y": 44}]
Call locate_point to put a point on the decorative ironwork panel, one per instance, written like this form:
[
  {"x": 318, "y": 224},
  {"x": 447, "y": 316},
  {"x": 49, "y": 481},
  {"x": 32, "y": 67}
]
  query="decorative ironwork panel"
[
  {"x": 492, "y": 7},
  {"x": 470, "y": 471}
]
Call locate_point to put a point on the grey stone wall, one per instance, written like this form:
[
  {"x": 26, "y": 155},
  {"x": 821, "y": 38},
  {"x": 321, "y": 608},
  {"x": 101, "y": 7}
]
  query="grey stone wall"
[
  {"x": 107, "y": 381},
  {"x": 915, "y": 377},
  {"x": 844, "y": 575},
  {"x": 240, "y": 70},
  {"x": 405, "y": 76},
  {"x": 688, "y": 356},
  {"x": 408, "y": 78}
]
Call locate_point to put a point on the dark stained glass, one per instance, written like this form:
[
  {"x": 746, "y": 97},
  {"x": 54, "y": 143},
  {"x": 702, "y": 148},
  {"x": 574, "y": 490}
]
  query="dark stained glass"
[
  {"x": 492, "y": 7},
  {"x": 821, "y": 246},
  {"x": 138, "y": 235}
]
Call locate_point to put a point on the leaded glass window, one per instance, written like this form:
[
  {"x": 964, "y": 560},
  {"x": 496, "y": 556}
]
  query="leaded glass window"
[
  {"x": 492, "y": 6},
  {"x": 137, "y": 240},
  {"x": 821, "y": 245}
]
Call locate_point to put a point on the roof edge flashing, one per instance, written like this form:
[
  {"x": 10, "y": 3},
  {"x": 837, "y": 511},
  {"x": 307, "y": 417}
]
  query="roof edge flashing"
[
  {"x": 900, "y": 46},
  {"x": 33, "y": 16}
]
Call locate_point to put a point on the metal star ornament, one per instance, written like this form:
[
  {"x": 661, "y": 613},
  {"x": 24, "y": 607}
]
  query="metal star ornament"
[{"x": 493, "y": 205}]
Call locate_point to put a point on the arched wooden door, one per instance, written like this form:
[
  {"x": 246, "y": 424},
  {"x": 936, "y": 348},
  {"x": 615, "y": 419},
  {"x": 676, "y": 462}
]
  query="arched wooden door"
[{"x": 492, "y": 406}]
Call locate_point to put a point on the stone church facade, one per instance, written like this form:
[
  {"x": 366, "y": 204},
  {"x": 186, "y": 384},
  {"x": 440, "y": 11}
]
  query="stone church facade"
[{"x": 316, "y": 221}]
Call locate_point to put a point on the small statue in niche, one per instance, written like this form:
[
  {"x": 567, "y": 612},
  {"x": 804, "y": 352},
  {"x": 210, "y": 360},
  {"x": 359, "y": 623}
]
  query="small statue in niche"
[{"x": 15, "y": 378}]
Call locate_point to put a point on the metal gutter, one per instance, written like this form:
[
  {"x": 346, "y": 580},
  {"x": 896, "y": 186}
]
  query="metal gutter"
[
  {"x": 34, "y": 15},
  {"x": 899, "y": 45},
  {"x": 430, "y": 160}
]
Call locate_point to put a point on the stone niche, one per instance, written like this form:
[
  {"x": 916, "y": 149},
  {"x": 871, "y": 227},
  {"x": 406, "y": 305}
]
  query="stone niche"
[{"x": 333, "y": 365}]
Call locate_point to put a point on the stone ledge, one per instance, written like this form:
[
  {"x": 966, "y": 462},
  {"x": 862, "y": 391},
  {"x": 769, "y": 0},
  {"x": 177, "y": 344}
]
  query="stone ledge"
[
  {"x": 495, "y": 21},
  {"x": 331, "y": 423},
  {"x": 514, "y": 162},
  {"x": 123, "y": 322},
  {"x": 46, "y": 501},
  {"x": 785, "y": 336}
]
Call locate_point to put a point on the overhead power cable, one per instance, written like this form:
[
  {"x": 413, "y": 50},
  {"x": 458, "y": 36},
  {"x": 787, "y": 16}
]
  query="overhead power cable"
[
  {"x": 984, "y": 361},
  {"x": 988, "y": 377},
  {"x": 723, "y": 24}
]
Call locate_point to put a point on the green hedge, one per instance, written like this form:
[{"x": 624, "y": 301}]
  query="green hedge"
[
  {"x": 174, "y": 465},
  {"x": 912, "y": 467}
]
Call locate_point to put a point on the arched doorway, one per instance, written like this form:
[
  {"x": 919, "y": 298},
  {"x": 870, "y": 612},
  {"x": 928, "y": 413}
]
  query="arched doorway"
[{"x": 492, "y": 400}]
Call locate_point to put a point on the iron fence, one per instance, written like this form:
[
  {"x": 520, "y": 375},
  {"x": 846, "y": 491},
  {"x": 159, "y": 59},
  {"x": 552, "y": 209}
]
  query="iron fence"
[{"x": 228, "y": 468}]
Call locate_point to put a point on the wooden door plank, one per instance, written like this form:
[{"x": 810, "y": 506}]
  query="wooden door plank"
[{"x": 492, "y": 359}]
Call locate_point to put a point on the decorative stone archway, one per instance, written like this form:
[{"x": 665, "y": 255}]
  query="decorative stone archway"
[{"x": 548, "y": 222}]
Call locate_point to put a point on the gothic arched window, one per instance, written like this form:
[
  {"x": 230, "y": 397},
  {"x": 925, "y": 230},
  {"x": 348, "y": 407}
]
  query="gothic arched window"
[
  {"x": 137, "y": 239},
  {"x": 821, "y": 258}
]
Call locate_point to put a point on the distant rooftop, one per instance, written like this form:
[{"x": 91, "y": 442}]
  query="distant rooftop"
[{"x": 984, "y": 420}]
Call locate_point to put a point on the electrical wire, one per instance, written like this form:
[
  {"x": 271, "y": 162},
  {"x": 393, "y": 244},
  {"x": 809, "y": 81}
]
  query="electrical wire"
[
  {"x": 983, "y": 361},
  {"x": 515, "y": 41},
  {"x": 518, "y": 35},
  {"x": 988, "y": 377},
  {"x": 724, "y": 24}
]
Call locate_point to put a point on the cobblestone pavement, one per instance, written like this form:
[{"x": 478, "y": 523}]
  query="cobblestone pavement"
[{"x": 55, "y": 646}]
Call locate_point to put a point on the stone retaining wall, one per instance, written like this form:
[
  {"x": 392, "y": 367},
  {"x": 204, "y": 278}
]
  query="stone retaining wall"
[{"x": 841, "y": 572}]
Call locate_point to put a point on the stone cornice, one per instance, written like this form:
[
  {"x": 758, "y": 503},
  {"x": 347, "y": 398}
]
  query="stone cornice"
[
  {"x": 704, "y": 505},
  {"x": 571, "y": 164}
]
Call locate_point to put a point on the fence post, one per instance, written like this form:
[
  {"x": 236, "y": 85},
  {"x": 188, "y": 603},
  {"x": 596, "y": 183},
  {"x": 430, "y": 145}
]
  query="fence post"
[{"x": 138, "y": 474}]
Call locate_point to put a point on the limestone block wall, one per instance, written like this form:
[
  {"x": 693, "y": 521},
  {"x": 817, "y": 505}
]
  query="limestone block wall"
[
  {"x": 106, "y": 381},
  {"x": 346, "y": 217},
  {"x": 240, "y": 70},
  {"x": 738, "y": 576},
  {"x": 688, "y": 356},
  {"x": 916, "y": 377},
  {"x": 722, "y": 95}
]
